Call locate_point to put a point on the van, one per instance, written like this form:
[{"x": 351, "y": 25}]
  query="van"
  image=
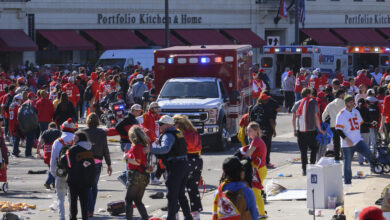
[{"x": 124, "y": 58}]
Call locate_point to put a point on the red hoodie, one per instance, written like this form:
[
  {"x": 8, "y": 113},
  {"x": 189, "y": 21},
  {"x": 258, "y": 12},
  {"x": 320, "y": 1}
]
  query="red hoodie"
[
  {"x": 363, "y": 79},
  {"x": 73, "y": 93},
  {"x": 95, "y": 85},
  {"x": 45, "y": 110},
  {"x": 149, "y": 122},
  {"x": 193, "y": 141}
]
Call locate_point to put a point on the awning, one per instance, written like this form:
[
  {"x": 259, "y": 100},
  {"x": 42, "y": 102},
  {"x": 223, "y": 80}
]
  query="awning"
[
  {"x": 323, "y": 36},
  {"x": 246, "y": 36},
  {"x": 203, "y": 36},
  {"x": 386, "y": 31},
  {"x": 361, "y": 36},
  {"x": 116, "y": 39},
  {"x": 66, "y": 40},
  {"x": 16, "y": 40},
  {"x": 158, "y": 37}
]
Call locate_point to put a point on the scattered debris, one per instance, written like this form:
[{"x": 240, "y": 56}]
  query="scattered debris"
[
  {"x": 157, "y": 195},
  {"x": 101, "y": 210},
  {"x": 105, "y": 196},
  {"x": 37, "y": 172},
  {"x": 12, "y": 207}
]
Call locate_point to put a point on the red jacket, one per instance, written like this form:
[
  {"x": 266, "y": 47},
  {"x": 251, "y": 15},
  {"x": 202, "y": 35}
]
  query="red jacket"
[
  {"x": 362, "y": 79},
  {"x": 193, "y": 141},
  {"x": 45, "y": 110},
  {"x": 3, "y": 84},
  {"x": 73, "y": 93},
  {"x": 13, "y": 118},
  {"x": 149, "y": 122}
]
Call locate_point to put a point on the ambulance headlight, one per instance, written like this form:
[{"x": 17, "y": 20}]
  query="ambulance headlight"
[{"x": 213, "y": 116}]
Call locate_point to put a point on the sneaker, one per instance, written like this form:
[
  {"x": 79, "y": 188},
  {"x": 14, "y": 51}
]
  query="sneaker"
[
  {"x": 30, "y": 157},
  {"x": 155, "y": 181},
  {"x": 122, "y": 180},
  {"x": 47, "y": 186},
  {"x": 195, "y": 215},
  {"x": 15, "y": 156},
  {"x": 263, "y": 217},
  {"x": 90, "y": 214},
  {"x": 303, "y": 172},
  {"x": 270, "y": 165}
]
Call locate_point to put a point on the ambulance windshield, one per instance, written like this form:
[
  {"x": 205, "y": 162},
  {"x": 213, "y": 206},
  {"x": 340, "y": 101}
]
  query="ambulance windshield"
[{"x": 202, "y": 90}]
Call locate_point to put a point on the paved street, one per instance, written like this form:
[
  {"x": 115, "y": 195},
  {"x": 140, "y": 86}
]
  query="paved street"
[{"x": 29, "y": 188}]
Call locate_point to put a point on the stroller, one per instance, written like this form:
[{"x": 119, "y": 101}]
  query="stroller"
[
  {"x": 4, "y": 154},
  {"x": 382, "y": 156}
]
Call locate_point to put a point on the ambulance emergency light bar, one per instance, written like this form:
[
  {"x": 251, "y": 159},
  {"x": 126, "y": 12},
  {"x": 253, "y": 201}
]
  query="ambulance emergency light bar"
[
  {"x": 194, "y": 60},
  {"x": 367, "y": 49},
  {"x": 290, "y": 49}
]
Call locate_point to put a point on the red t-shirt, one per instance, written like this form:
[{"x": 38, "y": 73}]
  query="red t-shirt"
[
  {"x": 299, "y": 82},
  {"x": 260, "y": 152},
  {"x": 13, "y": 118},
  {"x": 386, "y": 109},
  {"x": 136, "y": 152},
  {"x": 3, "y": 84}
]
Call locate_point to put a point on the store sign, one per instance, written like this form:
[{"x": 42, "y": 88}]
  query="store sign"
[
  {"x": 146, "y": 18},
  {"x": 367, "y": 19}
]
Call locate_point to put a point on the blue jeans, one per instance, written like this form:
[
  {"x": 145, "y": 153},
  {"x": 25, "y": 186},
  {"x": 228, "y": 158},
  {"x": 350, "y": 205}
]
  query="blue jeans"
[
  {"x": 298, "y": 96},
  {"x": 30, "y": 137},
  {"x": 15, "y": 143},
  {"x": 125, "y": 146},
  {"x": 94, "y": 189},
  {"x": 6, "y": 127},
  {"x": 348, "y": 152}
]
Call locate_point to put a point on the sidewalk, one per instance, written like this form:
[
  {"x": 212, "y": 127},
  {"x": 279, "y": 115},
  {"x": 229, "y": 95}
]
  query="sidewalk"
[{"x": 364, "y": 192}]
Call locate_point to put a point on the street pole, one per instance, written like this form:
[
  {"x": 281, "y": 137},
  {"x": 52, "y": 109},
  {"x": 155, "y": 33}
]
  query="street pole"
[
  {"x": 166, "y": 24},
  {"x": 296, "y": 23}
]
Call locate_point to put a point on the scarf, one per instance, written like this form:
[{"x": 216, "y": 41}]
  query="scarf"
[{"x": 303, "y": 106}]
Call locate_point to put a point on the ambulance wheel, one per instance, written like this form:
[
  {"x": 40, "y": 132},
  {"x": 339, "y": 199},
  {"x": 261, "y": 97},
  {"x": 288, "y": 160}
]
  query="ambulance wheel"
[
  {"x": 222, "y": 141},
  {"x": 378, "y": 168},
  {"x": 386, "y": 168},
  {"x": 5, "y": 187}
]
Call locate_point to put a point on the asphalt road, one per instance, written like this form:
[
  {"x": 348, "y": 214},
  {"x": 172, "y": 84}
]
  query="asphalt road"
[{"x": 29, "y": 188}]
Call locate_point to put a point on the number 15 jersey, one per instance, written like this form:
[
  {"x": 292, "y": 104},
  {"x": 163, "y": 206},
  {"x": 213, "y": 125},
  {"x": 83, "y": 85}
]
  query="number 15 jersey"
[{"x": 349, "y": 122}]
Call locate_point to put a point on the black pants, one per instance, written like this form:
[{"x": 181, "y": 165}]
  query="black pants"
[
  {"x": 195, "y": 164},
  {"x": 336, "y": 144},
  {"x": 176, "y": 182},
  {"x": 267, "y": 138},
  {"x": 81, "y": 193},
  {"x": 289, "y": 100},
  {"x": 135, "y": 192},
  {"x": 307, "y": 140}
]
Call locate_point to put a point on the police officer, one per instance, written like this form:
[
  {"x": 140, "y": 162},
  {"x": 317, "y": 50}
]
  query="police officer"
[{"x": 173, "y": 150}]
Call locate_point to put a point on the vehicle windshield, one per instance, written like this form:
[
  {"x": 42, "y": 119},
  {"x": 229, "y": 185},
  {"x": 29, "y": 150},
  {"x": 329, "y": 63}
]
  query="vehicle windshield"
[
  {"x": 190, "y": 90},
  {"x": 111, "y": 62}
]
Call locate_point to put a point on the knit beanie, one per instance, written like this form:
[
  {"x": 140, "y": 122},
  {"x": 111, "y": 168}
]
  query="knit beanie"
[{"x": 68, "y": 126}]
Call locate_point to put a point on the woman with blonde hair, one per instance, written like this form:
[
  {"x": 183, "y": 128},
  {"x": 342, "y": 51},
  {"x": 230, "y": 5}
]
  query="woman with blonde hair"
[
  {"x": 195, "y": 162},
  {"x": 257, "y": 151},
  {"x": 138, "y": 179}
]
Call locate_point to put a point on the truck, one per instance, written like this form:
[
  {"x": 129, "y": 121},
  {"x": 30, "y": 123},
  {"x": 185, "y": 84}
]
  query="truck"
[
  {"x": 275, "y": 59},
  {"x": 210, "y": 84},
  {"x": 362, "y": 57},
  {"x": 122, "y": 58}
]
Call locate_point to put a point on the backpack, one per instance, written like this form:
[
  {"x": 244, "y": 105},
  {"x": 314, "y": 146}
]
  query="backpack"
[
  {"x": 151, "y": 163},
  {"x": 62, "y": 163},
  {"x": 27, "y": 118},
  {"x": 230, "y": 205},
  {"x": 8, "y": 102},
  {"x": 88, "y": 95},
  {"x": 83, "y": 169}
]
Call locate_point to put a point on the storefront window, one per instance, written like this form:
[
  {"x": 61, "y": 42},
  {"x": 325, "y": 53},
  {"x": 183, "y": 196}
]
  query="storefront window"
[{"x": 266, "y": 62}]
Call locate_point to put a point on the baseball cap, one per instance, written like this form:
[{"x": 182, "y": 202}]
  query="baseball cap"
[
  {"x": 346, "y": 84},
  {"x": 302, "y": 69},
  {"x": 166, "y": 119},
  {"x": 18, "y": 97},
  {"x": 321, "y": 94},
  {"x": 31, "y": 95},
  {"x": 371, "y": 212},
  {"x": 261, "y": 70},
  {"x": 153, "y": 105},
  {"x": 231, "y": 165},
  {"x": 140, "y": 76},
  {"x": 290, "y": 73},
  {"x": 371, "y": 99},
  {"x": 136, "y": 107},
  {"x": 264, "y": 96},
  {"x": 68, "y": 126},
  {"x": 387, "y": 78},
  {"x": 348, "y": 98}
]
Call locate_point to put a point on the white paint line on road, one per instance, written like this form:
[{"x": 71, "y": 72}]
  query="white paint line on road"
[{"x": 286, "y": 135}]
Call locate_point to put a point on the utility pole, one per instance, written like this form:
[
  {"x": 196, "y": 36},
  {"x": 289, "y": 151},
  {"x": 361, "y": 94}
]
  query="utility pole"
[
  {"x": 166, "y": 24},
  {"x": 296, "y": 23}
]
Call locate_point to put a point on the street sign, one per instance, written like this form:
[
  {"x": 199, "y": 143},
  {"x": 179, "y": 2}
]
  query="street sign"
[{"x": 273, "y": 41}]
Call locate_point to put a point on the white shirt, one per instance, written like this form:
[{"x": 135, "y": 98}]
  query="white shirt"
[
  {"x": 377, "y": 77},
  {"x": 67, "y": 137},
  {"x": 332, "y": 109},
  {"x": 349, "y": 123}
]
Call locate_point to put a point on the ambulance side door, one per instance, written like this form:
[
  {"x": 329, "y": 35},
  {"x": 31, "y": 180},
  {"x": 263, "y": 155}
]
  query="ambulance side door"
[
  {"x": 383, "y": 62},
  {"x": 307, "y": 61}
]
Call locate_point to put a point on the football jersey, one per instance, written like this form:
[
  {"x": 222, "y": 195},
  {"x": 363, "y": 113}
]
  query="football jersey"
[{"x": 349, "y": 123}]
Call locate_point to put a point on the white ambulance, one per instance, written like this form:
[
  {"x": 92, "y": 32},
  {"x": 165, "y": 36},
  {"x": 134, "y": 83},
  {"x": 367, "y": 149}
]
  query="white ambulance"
[
  {"x": 329, "y": 59},
  {"x": 362, "y": 57}
]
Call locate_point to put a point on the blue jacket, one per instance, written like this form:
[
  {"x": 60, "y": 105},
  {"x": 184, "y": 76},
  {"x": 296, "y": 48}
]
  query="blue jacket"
[{"x": 249, "y": 196}]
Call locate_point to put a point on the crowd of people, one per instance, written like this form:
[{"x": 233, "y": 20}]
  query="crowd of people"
[{"x": 42, "y": 109}]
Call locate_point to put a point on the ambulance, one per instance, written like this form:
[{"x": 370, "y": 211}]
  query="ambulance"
[
  {"x": 361, "y": 57},
  {"x": 210, "y": 84},
  {"x": 329, "y": 59}
]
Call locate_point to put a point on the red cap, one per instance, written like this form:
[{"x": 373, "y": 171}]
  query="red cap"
[
  {"x": 371, "y": 212},
  {"x": 346, "y": 84},
  {"x": 21, "y": 79},
  {"x": 264, "y": 96},
  {"x": 3, "y": 74},
  {"x": 321, "y": 94},
  {"x": 65, "y": 79},
  {"x": 261, "y": 70},
  {"x": 254, "y": 74},
  {"x": 290, "y": 73},
  {"x": 55, "y": 77},
  {"x": 57, "y": 73},
  {"x": 31, "y": 95},
  {"x": 109, "y": 71}
]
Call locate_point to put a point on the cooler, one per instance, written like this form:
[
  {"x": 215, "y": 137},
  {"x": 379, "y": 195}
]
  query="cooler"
[{"x": 326, "y": 181}]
